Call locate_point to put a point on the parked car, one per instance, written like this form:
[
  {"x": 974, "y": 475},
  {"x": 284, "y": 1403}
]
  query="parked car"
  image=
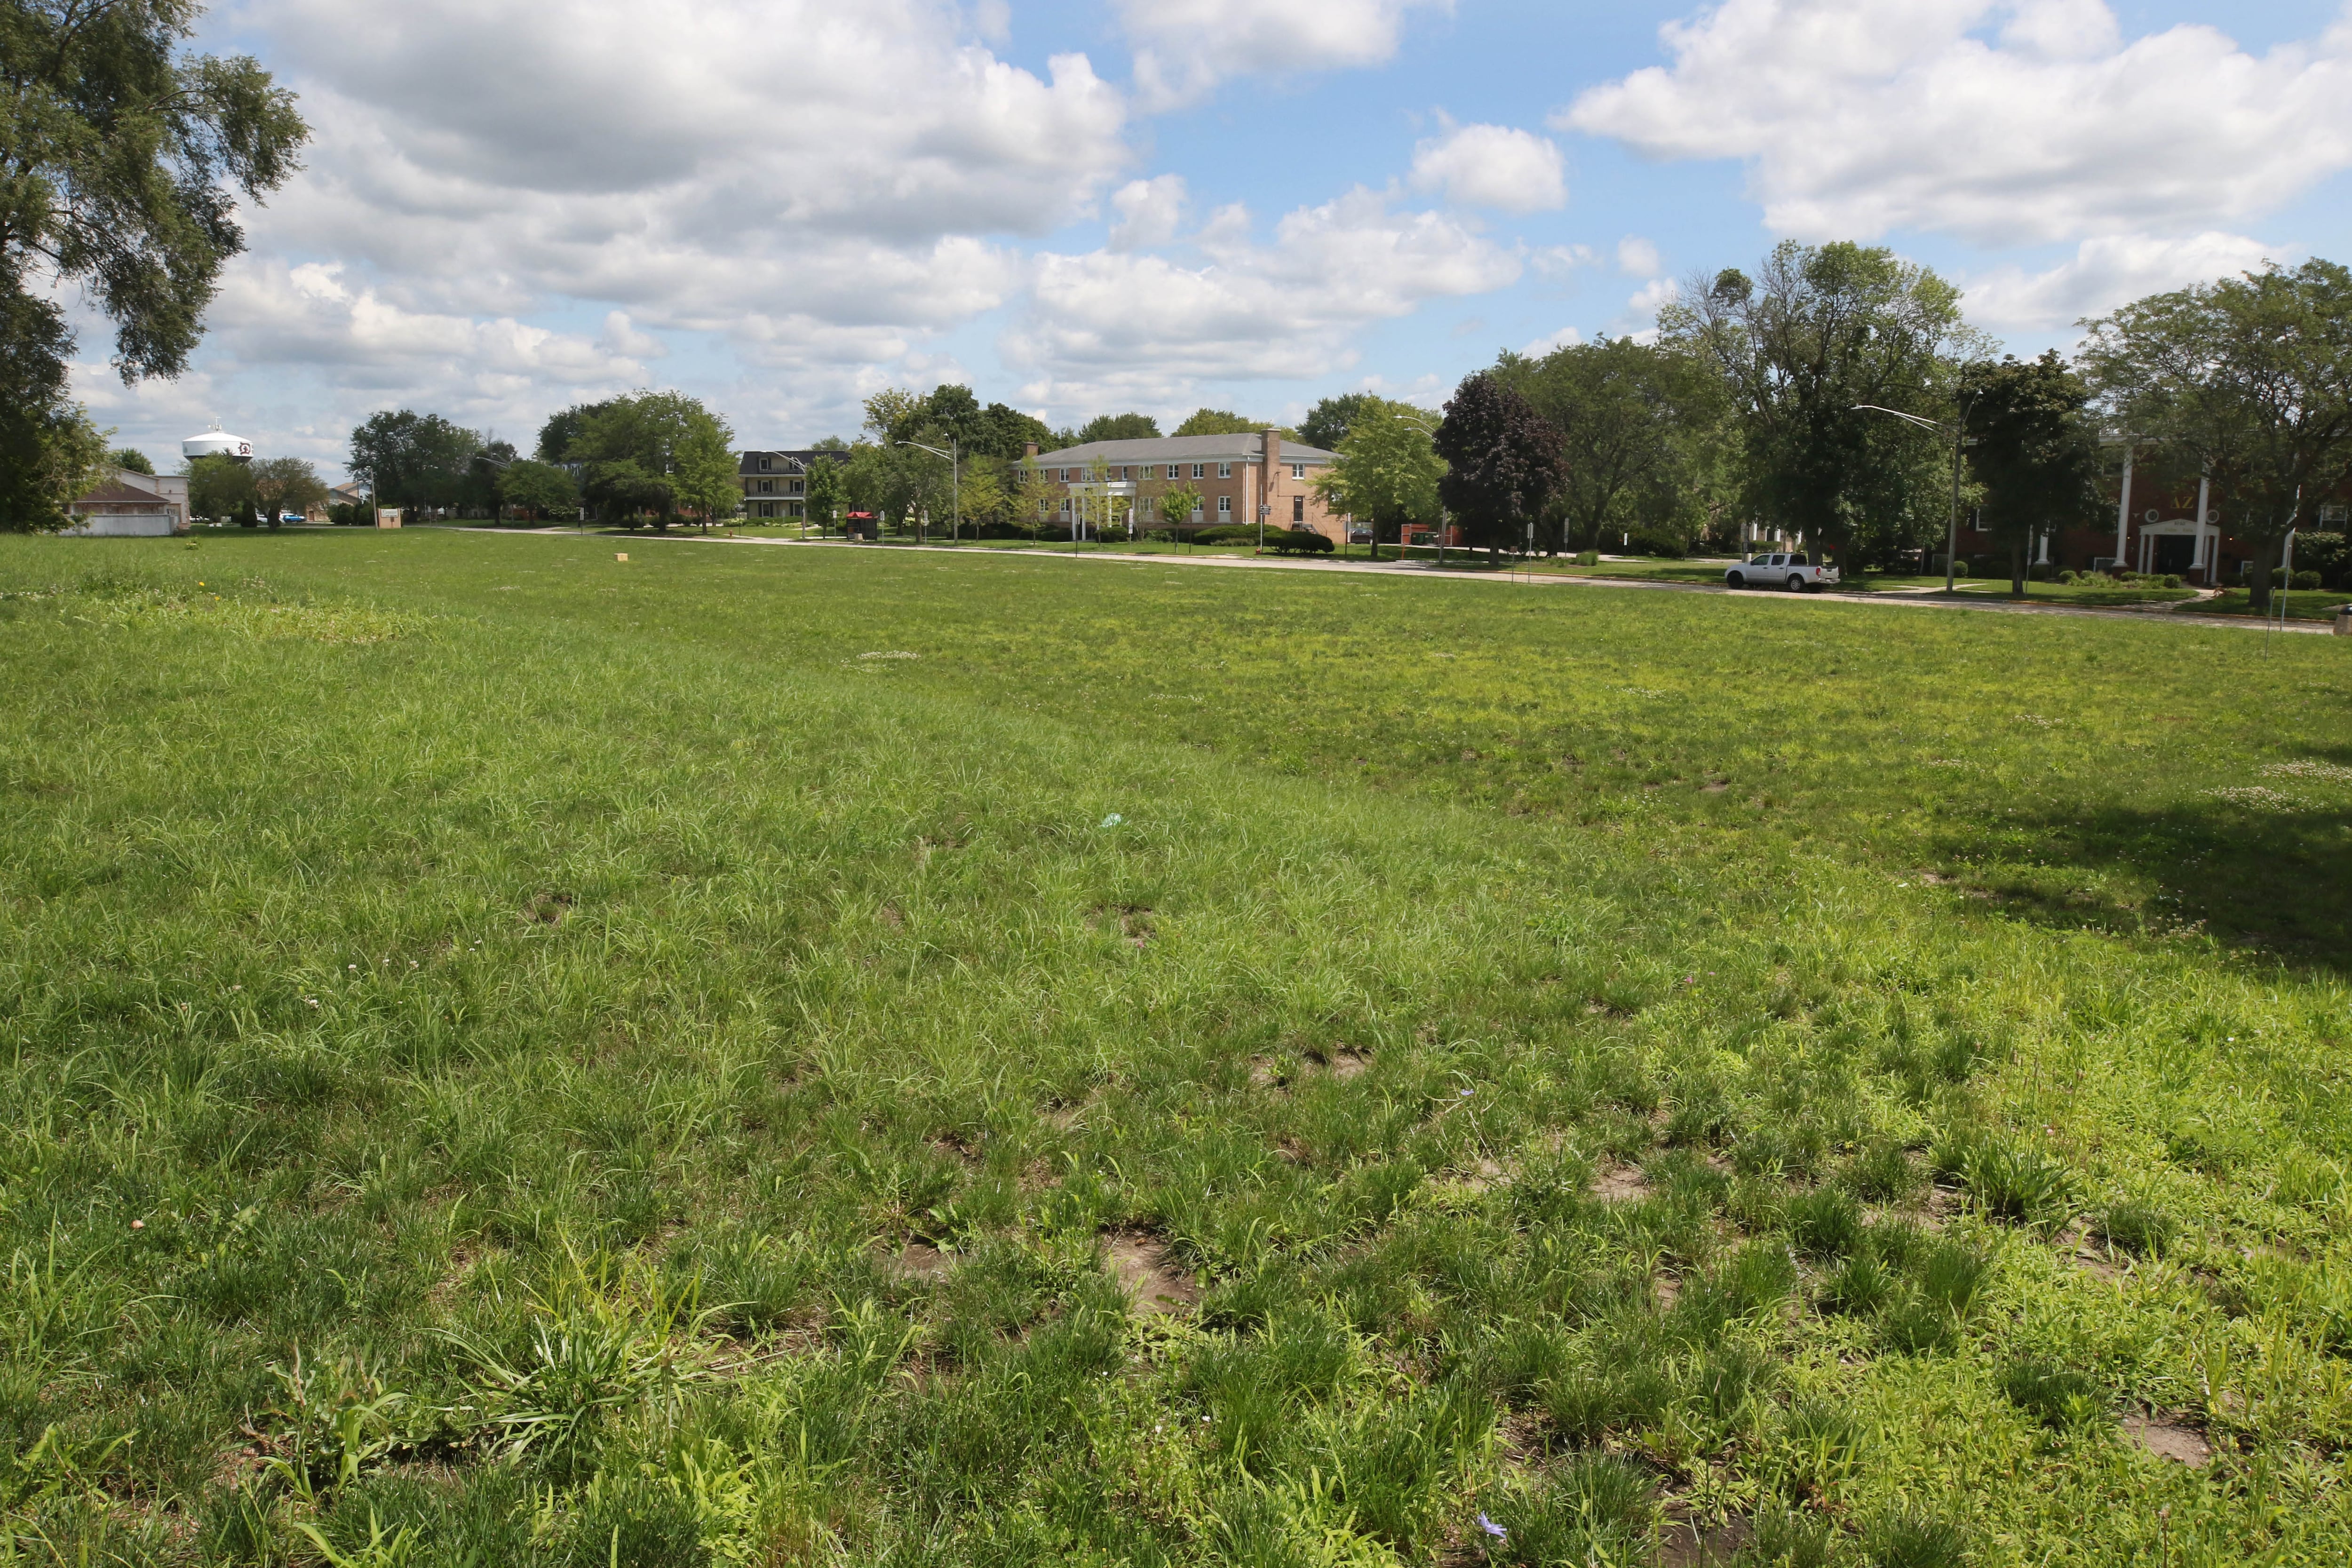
[{"x": 1797, "y": 571}]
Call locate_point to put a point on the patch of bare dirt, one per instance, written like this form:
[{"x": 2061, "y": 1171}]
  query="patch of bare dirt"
[
  {"x": 1693, "y": 1546},
  {"x": 1347, "y": 1064},
  {"x": 1668, "y": 1287},
  {"x": 1619, "y": 1184},
  {"x": 548, "y": 908},
  {"x": 2168, "y": 1439},
  {"x": 918, "y": 1260},
  {"x": 1715, "y": 786},
  {"x": 2098, "y": 1265},
  {"x": 892, "y": 918},
  {"x": 1152, "y": 1280},
  {"x": 1263, "y": 1075}
]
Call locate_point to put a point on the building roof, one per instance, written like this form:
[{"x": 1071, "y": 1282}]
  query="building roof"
[
  {"x": 796, "y": 462},
  {"x": 120, "y": 495},
  {"x": 1244, "y": 448}
]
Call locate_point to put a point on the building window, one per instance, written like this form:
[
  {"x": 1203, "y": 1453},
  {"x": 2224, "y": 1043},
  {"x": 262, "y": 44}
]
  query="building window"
[
  {"x": 2332, "y": 513},
  {"x": 767, "y": 487},
  {"x": 763, "y": 464},
  {"x": 1043, "y": 506},
  {"x": 1299, "y": 509},
  {"x": 1200, "y": 471},
  {"x": 1224, "y": 470},
  {"x": 1224, "y": 506},
  {"x": 793, "y": 487},
  {"x": 1297, "y": 470}
]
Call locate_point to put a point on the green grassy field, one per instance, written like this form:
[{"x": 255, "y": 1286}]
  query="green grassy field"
[{"x": 771, "y": 1055}]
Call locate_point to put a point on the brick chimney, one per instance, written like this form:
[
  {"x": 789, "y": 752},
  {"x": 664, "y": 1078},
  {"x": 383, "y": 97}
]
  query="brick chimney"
[{"x": 1028, "y": 448}]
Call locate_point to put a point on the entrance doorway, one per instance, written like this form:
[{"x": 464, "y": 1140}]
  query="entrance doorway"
[{"x": 2175, "y": 553}]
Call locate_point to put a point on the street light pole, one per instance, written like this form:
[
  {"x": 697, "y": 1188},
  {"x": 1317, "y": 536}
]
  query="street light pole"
[
  {"x": 955, "y": 481},
  {"x": 1958, "y": 434}
]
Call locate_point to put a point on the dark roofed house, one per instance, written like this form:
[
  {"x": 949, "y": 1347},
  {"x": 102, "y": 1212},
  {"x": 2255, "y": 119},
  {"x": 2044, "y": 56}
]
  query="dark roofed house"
[
  {"x": 118, "y": 508},
  {"x": 775, "y": 484}
]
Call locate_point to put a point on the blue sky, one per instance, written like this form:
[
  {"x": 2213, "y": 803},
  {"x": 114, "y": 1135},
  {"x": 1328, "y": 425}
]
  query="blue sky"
[{"x": 514, "y": 204}]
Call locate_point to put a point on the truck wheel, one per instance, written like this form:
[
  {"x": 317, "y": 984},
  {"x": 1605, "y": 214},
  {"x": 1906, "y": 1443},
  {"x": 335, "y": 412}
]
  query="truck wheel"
[
  {"x": 1796, "y": 584},
  {"x": 1735, "y": 580}
]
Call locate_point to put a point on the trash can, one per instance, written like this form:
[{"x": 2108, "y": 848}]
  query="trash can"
[{"x": 2344, "y": 621}]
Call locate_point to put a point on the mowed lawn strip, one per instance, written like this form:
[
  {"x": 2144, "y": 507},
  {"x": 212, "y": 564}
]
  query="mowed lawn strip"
[{"x": 520, "y": 1055}]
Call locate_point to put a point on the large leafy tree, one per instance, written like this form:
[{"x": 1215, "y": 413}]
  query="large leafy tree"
[
  {"x": 1818, "y": 331},
  {"x": 1217, "y": 422},
  {"x": 1119, "y": 427},
  {"x": 1328, "y": 423},
  {"x": 1386, "y": 471},
  {"x": 2035, "y": 456},
  {"x": 537, "y": 488},
  {"x": 2249, "y": 379},
  {"x": 1630, "y": 416},
  {"x": 411, "y": 459},
  {"x": 1502, "y": 458},
  {"x": 222, "y": 489},
  {"x": 563, "y": 430},
  {"x": 119, "y": 156},
  {"x": 652, "y": 454},
  {"x": 287, "y": 484},
  {"x": 826, "y": 491}
]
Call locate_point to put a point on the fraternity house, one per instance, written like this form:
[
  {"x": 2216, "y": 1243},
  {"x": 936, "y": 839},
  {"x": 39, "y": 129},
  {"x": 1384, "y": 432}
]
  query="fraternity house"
[
  {"x": 775, "y": 484},
  {"x": 1235, "y": 476}
]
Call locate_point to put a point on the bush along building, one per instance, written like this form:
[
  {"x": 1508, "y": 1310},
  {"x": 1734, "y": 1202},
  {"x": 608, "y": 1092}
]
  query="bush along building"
[
  {"x": 775, "y": 484},
  {"x": 1082, "y": 487},
  {"x": 2164, "y": 525}
]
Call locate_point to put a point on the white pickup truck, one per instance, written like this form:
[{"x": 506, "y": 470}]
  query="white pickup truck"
[{"x": 1797, "y": 571}]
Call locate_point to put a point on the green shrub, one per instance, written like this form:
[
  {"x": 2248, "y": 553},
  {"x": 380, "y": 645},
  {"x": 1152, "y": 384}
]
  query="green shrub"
[
  {"x": 1587, "y": 558},
  {"x": 2139, "y": 1228},
  {"x": 1596, "y": 1507},
  {"x": 2305, "y": 580},
  {"x": 2015, "y": 1184},
  {"x": 1297, "y": 542},
  {"x": 1826, "y": 1222},
  {"x": 1227, "y": 534},
  {"x": 2056, "y": 1396},
  {"x": 2068, "y": 577},
  {"x": 1911, "y": 1539}
]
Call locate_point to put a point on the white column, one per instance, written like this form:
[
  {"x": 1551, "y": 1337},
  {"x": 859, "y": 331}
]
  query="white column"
[
  {"x": 2204, "y": 510},
  {"x": 2123, "y": 513}
]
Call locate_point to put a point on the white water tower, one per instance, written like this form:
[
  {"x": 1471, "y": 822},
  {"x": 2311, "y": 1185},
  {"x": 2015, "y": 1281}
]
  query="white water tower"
[{"x": 217, "y": 443}]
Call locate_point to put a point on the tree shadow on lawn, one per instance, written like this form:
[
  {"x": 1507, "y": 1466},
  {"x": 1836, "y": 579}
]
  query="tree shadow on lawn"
[{"x": 2270, "y": 871}]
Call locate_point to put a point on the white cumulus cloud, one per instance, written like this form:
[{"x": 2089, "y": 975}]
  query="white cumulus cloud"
[
  {"x": 1492, "y": 166},
  {"x": 2005, "y": 121},
  {"x": 1114, "y": 326},
  {"x": 2106, "y": 272},
  {"x": 1185, "y": 48},
  {"x": 1149, "y": 211}
]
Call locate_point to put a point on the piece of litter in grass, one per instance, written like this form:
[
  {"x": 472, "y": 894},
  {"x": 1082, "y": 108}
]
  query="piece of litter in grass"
[{"x": 1113, "y": 820}]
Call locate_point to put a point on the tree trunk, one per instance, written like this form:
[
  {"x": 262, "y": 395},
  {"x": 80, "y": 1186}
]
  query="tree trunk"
[
  {"x": 2017, "y": 567},
  {"x": 2268, "y": 555}
]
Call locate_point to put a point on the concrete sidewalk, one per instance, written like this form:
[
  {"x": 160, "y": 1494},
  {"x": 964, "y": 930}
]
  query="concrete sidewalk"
[{"x": 1915, "y": 599}]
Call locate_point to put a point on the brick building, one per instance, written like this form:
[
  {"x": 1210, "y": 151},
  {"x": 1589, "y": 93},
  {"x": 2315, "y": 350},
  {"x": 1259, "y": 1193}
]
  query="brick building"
[
  {"x": 2159, "y": 524},
  {"x": 1235, "y": 475}
]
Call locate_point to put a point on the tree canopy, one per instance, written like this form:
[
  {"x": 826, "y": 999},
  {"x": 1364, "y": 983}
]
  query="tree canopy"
[
  {"x": 1628, "y": 415},
  {"x": 1217, "y": 422},
  {"x": 1328, "y": 423},
  {"x": 2035, "y": 456},
  {"x": 118, "y": 158},
  {"x": 282, "y": 485},
  {"x": 1118, "y": 428},
  {"x": 1386, "y": 471},
  {"x": 538, "y": 487},
  {"x": 131, "y": 459},
  {"x": 1502, "y": 458},
  {"x": 1820, "y": 330},
  {"x": 653, "y": 455},
  {"x": 411, "y": 459},
  {"x": 2247, "y": 379}
]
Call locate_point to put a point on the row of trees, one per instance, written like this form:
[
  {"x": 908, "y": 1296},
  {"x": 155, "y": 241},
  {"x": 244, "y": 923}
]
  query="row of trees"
[
  {"x": 1768, "y": 400},
  {"x": 651, "y": 457}
]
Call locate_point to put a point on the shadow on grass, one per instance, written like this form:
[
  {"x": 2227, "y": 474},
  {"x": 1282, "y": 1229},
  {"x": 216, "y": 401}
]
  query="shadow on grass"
[{"x": 2265, "y": 867}]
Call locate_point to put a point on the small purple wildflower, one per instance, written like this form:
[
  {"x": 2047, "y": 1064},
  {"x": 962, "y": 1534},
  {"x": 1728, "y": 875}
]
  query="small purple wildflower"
[{"x": 1491, "y": 1528}]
